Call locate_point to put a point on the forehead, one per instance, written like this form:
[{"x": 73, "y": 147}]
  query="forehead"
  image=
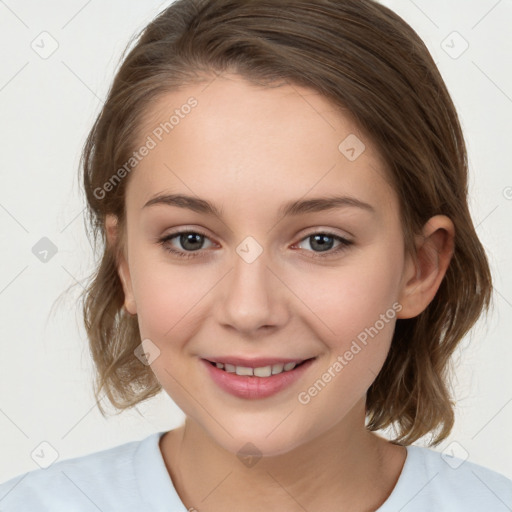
[{"x": 230, "y": 140}]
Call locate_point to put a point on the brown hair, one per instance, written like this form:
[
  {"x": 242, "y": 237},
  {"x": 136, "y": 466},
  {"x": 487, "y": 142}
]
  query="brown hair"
[{"x": 365, "y": 59}]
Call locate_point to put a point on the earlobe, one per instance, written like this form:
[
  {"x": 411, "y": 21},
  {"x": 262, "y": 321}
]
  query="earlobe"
[
  {"x": 424, "y": 273},
  {"x": 123, "y": 270}
]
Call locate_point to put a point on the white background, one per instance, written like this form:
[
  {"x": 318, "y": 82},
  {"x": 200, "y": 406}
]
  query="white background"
[{"x": 47, "y": 107}]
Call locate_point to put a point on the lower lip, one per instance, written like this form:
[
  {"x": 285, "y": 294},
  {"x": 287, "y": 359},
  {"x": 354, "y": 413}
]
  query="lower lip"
[{"x": 244, "y": 386}]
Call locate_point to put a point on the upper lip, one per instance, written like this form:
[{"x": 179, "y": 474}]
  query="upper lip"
[{"x": 257, "y": 362}]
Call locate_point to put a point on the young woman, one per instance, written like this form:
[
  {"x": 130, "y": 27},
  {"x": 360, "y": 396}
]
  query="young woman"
[{"x": 281, "y": 189}]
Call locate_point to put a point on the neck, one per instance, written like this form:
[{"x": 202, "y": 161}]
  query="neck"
[{"x": 346, "y": 468}]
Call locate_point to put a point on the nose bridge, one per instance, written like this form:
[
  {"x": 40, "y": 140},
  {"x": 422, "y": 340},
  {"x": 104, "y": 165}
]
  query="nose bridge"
[{"x": 253, "y": 297}]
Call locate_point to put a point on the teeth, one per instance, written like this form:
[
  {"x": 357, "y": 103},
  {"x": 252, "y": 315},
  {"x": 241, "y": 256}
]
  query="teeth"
[
  {"x": 277, "y": 368},
  {"x": 243, "y": 370},
  {"x": 264, "y": 371}
]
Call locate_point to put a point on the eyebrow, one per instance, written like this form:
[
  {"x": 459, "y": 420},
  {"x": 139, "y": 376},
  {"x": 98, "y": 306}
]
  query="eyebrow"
[{"x": 291, "y": 208}]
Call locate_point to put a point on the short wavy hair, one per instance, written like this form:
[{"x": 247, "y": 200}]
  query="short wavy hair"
[{"x": 367, "y": 61}]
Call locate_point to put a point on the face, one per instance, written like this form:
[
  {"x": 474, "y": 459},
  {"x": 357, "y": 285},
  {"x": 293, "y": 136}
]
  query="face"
[{"x": 256, "y": 282}]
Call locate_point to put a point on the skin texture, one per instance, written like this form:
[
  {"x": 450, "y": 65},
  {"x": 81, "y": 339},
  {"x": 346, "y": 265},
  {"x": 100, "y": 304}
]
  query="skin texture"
[{"x": 248, "y": 149}]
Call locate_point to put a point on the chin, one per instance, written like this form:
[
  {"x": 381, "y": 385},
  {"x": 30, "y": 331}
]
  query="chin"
[
  {"x": 260, "y": 438},
  {"x": 258, "y": 446}
]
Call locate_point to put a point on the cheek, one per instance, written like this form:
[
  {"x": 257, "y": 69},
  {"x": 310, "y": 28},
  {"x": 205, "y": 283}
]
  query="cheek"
[
  {"x": 360, "y": 311},
  {"x": 168, "y": 302},
  {"x": 353, "y": 297},
  {"x": 167, "y": 294},
  {"x": 358, "y": 304}
]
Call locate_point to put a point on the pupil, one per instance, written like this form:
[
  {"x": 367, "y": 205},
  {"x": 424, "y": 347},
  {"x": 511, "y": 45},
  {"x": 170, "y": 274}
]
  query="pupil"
[
  {"x": 320, "y": 239},
  {"x": 190, "y": 238}
]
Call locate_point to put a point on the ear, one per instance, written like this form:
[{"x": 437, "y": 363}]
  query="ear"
[
  {"x": 423, "y": 275},
  {"x": 123, "y": 270}
]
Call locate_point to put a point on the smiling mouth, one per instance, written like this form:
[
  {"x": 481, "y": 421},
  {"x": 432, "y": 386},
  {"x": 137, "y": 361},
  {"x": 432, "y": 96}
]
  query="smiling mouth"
[{"x": 262, "y": 371}]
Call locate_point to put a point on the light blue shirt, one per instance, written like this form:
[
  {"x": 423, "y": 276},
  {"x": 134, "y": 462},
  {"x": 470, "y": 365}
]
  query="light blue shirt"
[{"x": 132, "y": 477}]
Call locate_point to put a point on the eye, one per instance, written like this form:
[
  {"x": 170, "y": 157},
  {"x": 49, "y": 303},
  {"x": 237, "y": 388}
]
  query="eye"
[
  {"x": 190, "y": 241},
  {"x": 323, "y": 242}
]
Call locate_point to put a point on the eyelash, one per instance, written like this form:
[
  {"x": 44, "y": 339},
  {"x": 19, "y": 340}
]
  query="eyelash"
[{"x": 344, "y": 244}]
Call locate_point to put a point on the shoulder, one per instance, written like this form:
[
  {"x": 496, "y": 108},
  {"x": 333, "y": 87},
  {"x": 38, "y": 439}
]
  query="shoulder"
[
  {"x": 96, "y": 481},
  {"x": 431, "y": 480}
]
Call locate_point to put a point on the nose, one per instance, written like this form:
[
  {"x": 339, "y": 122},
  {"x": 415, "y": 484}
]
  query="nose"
[{"x": 254, "y": 299}]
